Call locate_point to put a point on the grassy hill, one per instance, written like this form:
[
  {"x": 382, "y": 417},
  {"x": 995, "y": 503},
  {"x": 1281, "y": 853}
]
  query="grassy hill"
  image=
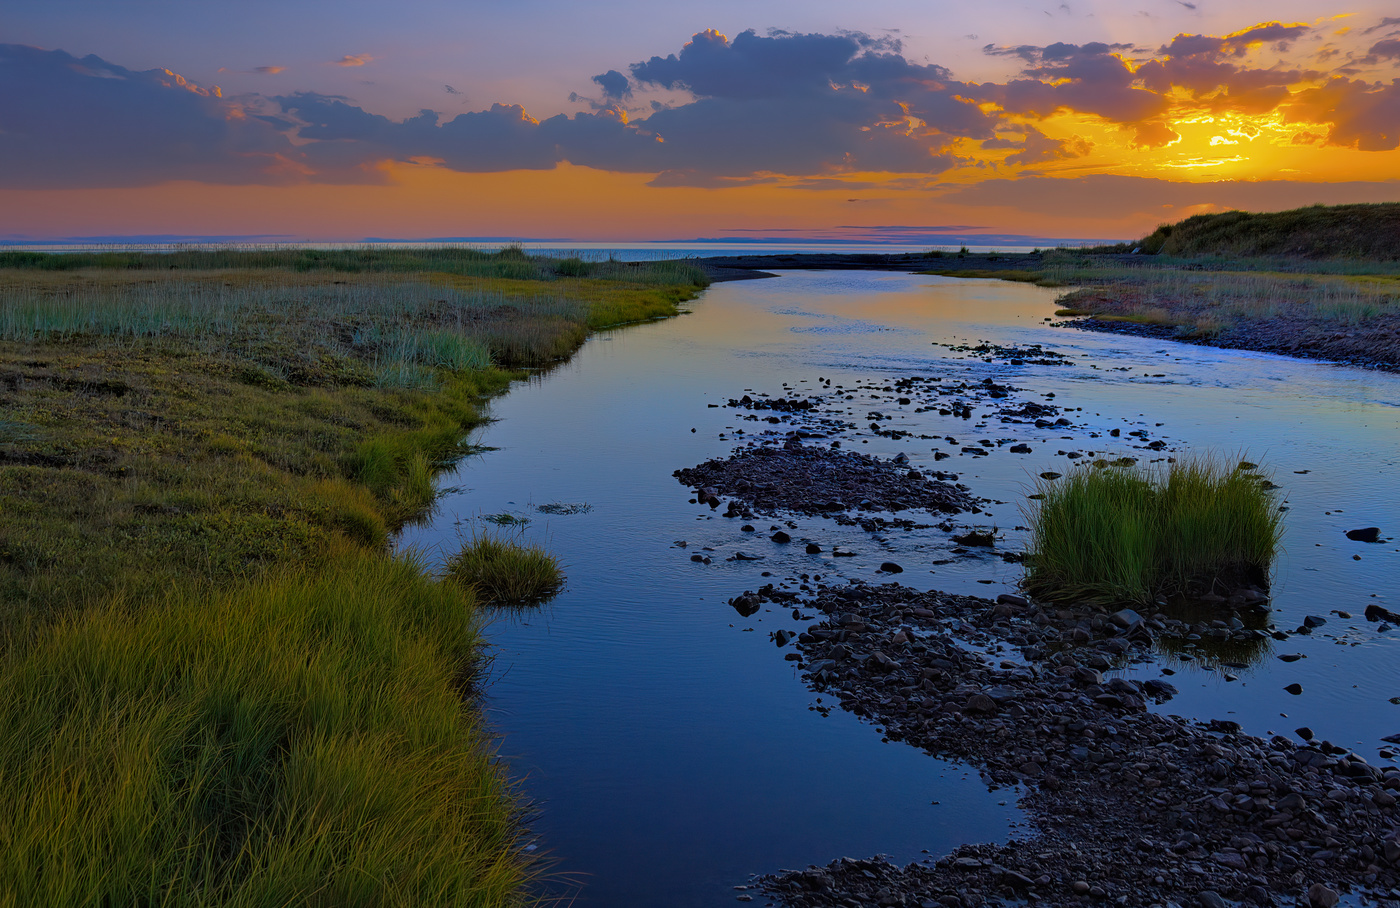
[{"x": 1370, "y": 232}]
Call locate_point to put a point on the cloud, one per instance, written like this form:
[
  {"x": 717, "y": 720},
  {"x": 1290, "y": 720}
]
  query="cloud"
[
  {"x": 783, "y": 106},
  {"x": 269, "y": 70},
  {"x": 1387, "y": 22},
  {"x": 614, "y": 84},
  {"x": 1387, "y": 49},
  {"x": 353, "y": 60},
  {"x": 69, "y": 122},
  {"x": 1362, "y": 115}
]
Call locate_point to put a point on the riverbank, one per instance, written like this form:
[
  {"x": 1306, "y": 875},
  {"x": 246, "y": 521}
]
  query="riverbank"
[{"x": 202, "y": 458}]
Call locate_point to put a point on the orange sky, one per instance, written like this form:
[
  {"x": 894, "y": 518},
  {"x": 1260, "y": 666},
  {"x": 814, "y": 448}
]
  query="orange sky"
[{"x": 1074, "y": 141}]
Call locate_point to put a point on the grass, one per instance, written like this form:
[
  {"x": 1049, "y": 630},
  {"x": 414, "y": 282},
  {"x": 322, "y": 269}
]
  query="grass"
[
  {"x": 504, "y": 571},
  {"x": 162, "y": 424},
  {"x": 301, "y": 741},
  {"x": 220, "y": 688},
  {"x": 1121, "y": 533}
]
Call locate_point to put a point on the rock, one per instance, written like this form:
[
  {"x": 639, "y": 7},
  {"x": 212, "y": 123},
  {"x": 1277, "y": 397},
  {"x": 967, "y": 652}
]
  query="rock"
[
  {"x": 1209, "y": 898},
  {"x": 1125, "y": 618},
  {"x": 1365, "y": 534},
  {"x": 780, "y": 536},
  {"x": 744, "y": 556},
  {"x": 1305, "y": 733},
  {"x": 1010, "y": 599},
  {"x": 889, "y": 567},
  {"x": 1291, "y": 657},
  {"x": 1295, "y": 688},
  {"x": 1377, "y": 613},
  {"x": 1314, "y": 621},
  {"x": 697, "y": 558},
  {"x": 781, "y": 637},
  {"x": 980, "y": 703},
  {"x": 1319, "y": 896},
  {"x": 746, "y": 528},
  {"x": 1391, "y": 847},
  {"x": 813, "y": 548}
]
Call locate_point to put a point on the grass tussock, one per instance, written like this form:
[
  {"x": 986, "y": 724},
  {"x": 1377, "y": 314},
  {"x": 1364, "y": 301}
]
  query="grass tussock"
[
  {"x": 303, "y": 740},
  {"x": 1120, "y": 533},
  {"x": 505, "y": 571}
]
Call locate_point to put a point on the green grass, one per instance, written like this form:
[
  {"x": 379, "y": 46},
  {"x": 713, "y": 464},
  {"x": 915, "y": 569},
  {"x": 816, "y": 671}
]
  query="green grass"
[
  {"x": 504, "y": 571},
  {"x": 219, "y": 688},
  {"x": 301, "y": 741},
  {"x": 1120, "y": 533}
]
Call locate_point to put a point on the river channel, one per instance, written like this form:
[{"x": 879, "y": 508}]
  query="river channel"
[{"x": 669, "y": 749}]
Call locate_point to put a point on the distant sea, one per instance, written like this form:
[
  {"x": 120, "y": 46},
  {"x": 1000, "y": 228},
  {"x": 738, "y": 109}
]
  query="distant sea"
[{"x": 622, "y": 250}]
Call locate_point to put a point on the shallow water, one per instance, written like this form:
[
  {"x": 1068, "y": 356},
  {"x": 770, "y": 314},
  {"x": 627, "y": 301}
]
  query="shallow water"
[{"x": 670, "y": 749}]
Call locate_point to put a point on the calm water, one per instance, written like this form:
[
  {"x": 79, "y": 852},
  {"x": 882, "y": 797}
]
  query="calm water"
[{"x": 672, "y": 752}]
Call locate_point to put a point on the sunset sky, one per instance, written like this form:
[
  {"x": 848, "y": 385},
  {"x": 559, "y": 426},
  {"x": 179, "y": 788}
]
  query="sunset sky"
[{"x": 632, "y": 120}]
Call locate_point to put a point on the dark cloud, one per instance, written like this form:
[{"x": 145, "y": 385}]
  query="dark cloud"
[
  {"x": 1387, "y": 22},
  {"x": 614, "y": 84},
  {"x": 69, "y": 122},
  {"x": 785, "y": 106},
  {"x": 1363, "y": 115},
  {"x": 1387, "y": 49}
]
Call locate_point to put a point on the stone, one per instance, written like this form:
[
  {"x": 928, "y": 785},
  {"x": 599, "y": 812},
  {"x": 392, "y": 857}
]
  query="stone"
[
  {"x": 1125, "y": 618},
  {"x": 1319, "y": 896},
  {"x": 889, "y": 567},
  {"x": 813, "y": 548},
  {"x": 780, "y": 536},
  {"x": 1365, "y": 534},
  {"x": 1209, "y": 898},
  {"x": 1295, "y": 688}
]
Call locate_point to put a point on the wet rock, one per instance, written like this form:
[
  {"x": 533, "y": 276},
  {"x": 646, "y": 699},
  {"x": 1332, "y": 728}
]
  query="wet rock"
[
  {"x": 766, "y": 477},
  {"x": 1295, "y": 688},
  {"x": 1365, "y": 534},
  {"x": 889, "y": 567},
  {"x": 813, "y": 548},
  {"x": 1377, "y": 613},
  {"x": 780, "y": 536},
  {"x": 1314, "y": 621},
  {"x": 1319, "y": 896}
]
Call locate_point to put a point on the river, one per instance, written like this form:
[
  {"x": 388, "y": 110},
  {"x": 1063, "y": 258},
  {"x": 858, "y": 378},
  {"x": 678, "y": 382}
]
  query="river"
[{"x": 671, "y": 752}]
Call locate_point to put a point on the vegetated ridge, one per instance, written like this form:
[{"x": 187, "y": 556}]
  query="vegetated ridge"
[{"x": 1366, "y": 231}]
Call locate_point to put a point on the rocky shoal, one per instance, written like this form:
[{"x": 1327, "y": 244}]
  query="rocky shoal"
[{"x": 1131, "y": 807}]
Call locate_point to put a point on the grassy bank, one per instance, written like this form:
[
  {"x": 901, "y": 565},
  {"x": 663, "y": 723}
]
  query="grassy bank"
[
  {"x": 229, "y": 693},
  {"x": 1120, "y": 533}
]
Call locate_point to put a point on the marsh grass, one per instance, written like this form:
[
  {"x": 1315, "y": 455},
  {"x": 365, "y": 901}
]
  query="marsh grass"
[
  {"x": 502, "y": 570},
  {"x": 1116, "y": 533},
  {"x": 219, "y": 688},
  {"x": 303, "y": 740}
]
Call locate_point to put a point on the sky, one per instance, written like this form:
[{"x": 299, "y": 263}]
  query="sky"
[{"x": 884, "y": 120}]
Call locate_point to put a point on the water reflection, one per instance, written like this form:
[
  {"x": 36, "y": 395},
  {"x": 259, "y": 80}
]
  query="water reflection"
[{"x": 671, "y": 749}]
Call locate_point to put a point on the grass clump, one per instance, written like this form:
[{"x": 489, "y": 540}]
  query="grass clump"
[
  {"x": 1122, "y": 533},
  {"x": 505, "y": 571},
  {"x": 300, "y": 741}
]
